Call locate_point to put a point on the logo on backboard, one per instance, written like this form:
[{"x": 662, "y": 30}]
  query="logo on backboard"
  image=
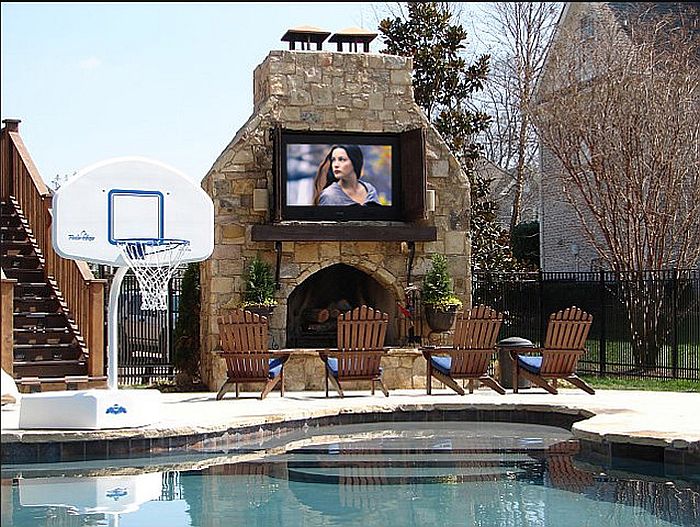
[
  {"x": 116, "y": 409},
  {"x": 83, "y": 236}
]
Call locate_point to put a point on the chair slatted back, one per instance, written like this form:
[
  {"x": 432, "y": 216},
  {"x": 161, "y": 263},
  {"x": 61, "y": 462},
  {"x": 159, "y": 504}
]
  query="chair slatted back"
[
  {"x": 244, "y": 337},
  {"x": 360, "y": 332},
  {"x": 475, "y": 330},
  {"x": 565, "y": 341}
]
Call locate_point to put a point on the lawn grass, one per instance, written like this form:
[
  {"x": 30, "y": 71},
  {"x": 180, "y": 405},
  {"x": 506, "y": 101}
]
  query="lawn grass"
[{"x": 658, "y": 385}]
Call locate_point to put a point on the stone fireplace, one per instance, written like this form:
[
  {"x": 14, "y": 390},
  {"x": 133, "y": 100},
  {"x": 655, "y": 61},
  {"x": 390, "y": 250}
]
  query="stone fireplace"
[
  {"x": 324, "y": 267},
  {"x": 314, "y": 305}
]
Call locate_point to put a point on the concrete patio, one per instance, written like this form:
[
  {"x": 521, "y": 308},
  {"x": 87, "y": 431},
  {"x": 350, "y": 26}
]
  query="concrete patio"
[{"x": 660, "y": 426}]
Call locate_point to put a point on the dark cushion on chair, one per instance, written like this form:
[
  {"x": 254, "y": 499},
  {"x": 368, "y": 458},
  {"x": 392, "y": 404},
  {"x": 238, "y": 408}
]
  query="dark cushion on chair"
[
  {"x": 531, "y": 364},
  {"x": 442, "y": 364},
  {"x": 275, "y": 367}
]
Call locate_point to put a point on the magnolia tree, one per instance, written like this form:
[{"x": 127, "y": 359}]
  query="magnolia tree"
[
  {"x": 620, "y": 112},
  {"x": 444, "y": 83}
]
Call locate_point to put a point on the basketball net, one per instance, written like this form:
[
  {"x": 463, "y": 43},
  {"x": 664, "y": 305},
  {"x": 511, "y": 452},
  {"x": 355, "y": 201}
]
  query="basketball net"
[{"x": 153, "y": 261}]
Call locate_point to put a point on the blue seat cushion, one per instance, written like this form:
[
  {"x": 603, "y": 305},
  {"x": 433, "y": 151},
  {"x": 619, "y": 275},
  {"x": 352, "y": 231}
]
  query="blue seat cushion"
[
  {"x": 531, "y": 364},
  {"x": 332, "y": 365},
  {"x": 275, "y": 367},
  {"x": 442, "y": 364}
]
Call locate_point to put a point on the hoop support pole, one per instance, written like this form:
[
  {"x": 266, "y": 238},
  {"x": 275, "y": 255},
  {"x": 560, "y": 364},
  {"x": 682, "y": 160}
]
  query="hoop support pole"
[{"x": 112, "y": 326}]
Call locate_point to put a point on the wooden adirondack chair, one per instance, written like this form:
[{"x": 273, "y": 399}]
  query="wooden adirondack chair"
[
  {"x": 244, "y": 337},
  {"x": 473, "y": 346},
  {"x": 361, "y": 334},
  {"x": 564, "y": 343}
]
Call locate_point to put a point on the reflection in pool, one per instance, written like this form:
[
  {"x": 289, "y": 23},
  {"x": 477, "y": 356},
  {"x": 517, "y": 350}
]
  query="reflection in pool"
[{"x": 419, "y": 473}]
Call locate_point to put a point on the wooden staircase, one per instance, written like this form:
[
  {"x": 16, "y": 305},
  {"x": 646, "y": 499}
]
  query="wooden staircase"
[{"x": 49, "y": 349}]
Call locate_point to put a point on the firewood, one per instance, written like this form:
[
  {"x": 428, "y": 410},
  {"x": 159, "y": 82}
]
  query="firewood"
[{"x": 317, "y": 316}]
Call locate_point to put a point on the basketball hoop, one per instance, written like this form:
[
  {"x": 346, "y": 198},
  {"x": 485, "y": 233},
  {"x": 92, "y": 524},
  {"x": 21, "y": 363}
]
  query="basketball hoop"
[{"x": 153, "y": 261}]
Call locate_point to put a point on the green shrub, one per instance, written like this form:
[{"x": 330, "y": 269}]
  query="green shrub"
[
  {"x": 259, "y": 284},
  {"x": 187, "y": 348},
  {"x": 437, "y": 289},
  {"x": 525, "y": 241}
]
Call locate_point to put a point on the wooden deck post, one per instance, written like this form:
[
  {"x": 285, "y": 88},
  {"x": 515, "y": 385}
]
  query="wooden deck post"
[
  {"x": 96, "y": 343},
  {"x": 7, "y": 290}
]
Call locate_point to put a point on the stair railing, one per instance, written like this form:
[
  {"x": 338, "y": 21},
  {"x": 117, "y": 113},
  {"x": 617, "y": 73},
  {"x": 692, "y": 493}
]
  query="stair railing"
[{"x": 82, "y": 292}]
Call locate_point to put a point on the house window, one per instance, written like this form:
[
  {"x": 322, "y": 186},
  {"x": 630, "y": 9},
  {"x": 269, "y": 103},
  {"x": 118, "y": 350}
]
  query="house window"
[{"x": 587, "y": 28}]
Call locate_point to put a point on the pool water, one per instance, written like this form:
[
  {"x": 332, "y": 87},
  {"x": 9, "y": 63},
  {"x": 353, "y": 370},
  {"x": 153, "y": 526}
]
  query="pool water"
[{"x": 383, "y": 474}]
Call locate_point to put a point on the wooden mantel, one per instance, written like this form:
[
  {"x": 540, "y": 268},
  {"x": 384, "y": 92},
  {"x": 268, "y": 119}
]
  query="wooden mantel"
[{"x": 323, "y": 232}]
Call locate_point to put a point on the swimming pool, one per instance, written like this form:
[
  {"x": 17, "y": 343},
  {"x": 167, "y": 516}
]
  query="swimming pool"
[{"x": 389, "y": 473}]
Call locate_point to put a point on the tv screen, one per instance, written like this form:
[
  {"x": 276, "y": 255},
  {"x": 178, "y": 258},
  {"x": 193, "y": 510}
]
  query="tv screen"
[{"x": 340, "y": 176}]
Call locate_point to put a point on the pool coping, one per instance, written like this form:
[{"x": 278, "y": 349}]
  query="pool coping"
[{"x": 658, "y": 427}]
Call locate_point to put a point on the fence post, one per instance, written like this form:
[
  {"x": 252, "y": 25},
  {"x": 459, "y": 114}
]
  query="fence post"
[
  {"x": 169, "y": 322},
  {"x": 602, "y": 353},
  {"x": 540, "y": 280},
  {"x": 674, "y": 340}
]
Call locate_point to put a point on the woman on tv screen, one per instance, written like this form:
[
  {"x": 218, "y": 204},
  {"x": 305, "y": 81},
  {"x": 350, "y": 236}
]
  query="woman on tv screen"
[{"x": 338, "y": 179}]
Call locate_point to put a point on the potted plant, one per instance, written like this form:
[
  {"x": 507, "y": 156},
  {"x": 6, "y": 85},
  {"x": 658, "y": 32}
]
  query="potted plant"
[
  {"x": 438, "y": 296},
  {"x": 259, "y": 293}
]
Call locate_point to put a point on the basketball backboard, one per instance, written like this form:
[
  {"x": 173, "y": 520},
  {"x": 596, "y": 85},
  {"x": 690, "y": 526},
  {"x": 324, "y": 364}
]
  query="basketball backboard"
[{"x": 127, "y": 198}]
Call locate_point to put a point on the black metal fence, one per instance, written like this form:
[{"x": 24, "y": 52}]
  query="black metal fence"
[
  {"x": 146, "y": 338},
  {"x": 645, "y": 325}
]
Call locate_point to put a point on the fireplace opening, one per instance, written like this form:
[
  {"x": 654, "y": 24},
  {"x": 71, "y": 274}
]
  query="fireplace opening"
[{"x": 314, "y": 305}]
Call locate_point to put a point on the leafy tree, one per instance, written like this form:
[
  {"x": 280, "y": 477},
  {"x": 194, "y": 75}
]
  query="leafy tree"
[
  {"x": 518, "y": 36},
  {"x": 187, "y": 349},
  {"x": 443, "y": 84},
  {"x": 619, "y": 112}
]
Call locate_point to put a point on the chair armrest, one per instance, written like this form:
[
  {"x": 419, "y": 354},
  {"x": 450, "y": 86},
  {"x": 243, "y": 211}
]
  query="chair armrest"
[
  {"x": 429, "y": 351},
  {"x": 339, "y": 353},
  {"x": 515, "y": 352}
]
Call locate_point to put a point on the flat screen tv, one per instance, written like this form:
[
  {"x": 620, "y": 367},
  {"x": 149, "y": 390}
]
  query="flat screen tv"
[{"x": 340, "y": 176}]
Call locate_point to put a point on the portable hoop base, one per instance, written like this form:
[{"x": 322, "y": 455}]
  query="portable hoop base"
[{"x": 90, "y": 409}]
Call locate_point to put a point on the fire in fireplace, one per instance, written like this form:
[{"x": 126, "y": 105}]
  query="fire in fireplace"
[{"x": 314, "y": 305}]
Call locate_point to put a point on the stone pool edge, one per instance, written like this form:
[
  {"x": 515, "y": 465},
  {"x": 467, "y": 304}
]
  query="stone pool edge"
[{"x": 679, "y": 457}]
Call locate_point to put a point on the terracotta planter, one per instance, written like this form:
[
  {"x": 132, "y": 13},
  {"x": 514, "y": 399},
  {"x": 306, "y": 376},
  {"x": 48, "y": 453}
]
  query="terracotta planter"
[{"x": 439, "y": 320}]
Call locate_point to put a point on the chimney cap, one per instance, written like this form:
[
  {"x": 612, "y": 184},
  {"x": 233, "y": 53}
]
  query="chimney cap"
[
  {"x": 353, "y": 34},
  {"x": 305, "y": 35}
]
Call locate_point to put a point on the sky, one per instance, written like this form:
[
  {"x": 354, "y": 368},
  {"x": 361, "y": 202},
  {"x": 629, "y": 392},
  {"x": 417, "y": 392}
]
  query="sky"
[{"x": 169, "y": 81}]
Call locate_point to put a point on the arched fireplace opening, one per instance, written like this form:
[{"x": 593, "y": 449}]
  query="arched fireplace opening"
[{"x": 314, "y": 305}]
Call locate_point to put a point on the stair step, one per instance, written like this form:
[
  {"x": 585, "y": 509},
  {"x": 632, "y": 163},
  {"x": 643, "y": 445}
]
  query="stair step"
[
  {"x": 36, "y": 288},
  {"x": 39, "y": 320},
  {"x": 27, "y": 336},
  {"x": 45, "y": 346},
  {"x": 37, "y": 305},
  {"x": 69, "y": 382},
  {"x": 11, "y": 221},
  {"x": 25, "y": 275},
  {"x": 6, "y": 207},
  {"x": 43, "y": 331},
  {"x": 49, "y": 353},
  {"x": 28, "y": 262},
  {"x": 56, "y": 368},
  {"x": 23, "y": 261},
  {"x": 8, "y": 234}
]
